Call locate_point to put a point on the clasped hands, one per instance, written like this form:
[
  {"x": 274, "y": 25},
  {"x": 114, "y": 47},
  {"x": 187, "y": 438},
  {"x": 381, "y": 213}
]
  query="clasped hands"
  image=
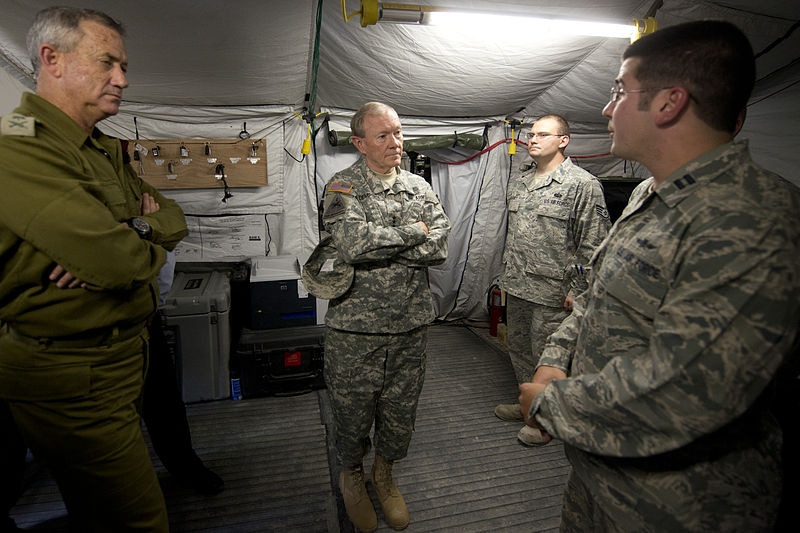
[{"x": 529, "y": 390}]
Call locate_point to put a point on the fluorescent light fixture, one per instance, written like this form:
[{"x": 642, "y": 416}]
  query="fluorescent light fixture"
[
  {"x": 487, "y": 22},
  {"x": 401, "y": 16},
  {"x": 372, "y": 12}
]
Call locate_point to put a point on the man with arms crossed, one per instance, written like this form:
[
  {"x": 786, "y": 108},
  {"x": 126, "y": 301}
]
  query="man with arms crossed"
[
  {"x": 389, "y": 225},
  {"x": 80, "y": 251}
]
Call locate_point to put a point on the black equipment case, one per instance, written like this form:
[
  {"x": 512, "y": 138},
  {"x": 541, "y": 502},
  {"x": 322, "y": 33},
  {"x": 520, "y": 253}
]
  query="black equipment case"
[{"x": 279, "y": 361}]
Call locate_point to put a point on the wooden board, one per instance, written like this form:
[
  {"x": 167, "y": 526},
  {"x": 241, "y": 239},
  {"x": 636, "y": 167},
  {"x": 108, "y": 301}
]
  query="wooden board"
[{"x": 185, "y": 164}]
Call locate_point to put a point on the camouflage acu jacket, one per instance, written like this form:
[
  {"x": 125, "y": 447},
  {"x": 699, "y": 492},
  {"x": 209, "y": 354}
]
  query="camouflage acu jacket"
[
  {"x": 553, "y": 225},
  {"x": 693, "y": 304},
  {"x": 374, "y": 228}
]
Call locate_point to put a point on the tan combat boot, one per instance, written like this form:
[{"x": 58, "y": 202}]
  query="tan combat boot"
[
  {"x": 508, "y": 411},
  {"x": 392, "y": 503},
  {"x": 356, "y": 500}
]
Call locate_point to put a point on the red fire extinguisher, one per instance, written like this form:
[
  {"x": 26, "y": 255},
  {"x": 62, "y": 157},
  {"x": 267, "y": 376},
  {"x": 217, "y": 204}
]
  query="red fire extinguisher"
[{"x": 496, "y": 309}]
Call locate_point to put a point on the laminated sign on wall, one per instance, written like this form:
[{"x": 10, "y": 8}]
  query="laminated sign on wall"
[{"x": 223, "y": 238}]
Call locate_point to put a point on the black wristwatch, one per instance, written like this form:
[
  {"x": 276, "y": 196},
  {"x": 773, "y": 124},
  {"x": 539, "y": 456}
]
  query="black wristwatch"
[{"x": 140, "y": 226}]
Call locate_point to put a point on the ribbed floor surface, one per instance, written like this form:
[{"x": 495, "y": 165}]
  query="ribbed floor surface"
[{"x": 465, "y": 471}]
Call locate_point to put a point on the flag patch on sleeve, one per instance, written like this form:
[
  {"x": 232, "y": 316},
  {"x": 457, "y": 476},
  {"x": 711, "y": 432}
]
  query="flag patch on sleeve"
[{"x": 340, "y": 186}]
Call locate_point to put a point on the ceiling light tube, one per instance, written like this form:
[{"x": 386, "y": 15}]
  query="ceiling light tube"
[
  {"x": 373, "y": 12},
  {"x": 488, "y": 22}
]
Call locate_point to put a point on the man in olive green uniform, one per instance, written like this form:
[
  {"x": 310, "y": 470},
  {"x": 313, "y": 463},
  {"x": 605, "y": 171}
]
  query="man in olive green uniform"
[
  {"x": 557, "y": 216},
  {"x": 389, "y": 224},
  {"x": 692, "y": 308},
  {"x": 81, "y": 244}
]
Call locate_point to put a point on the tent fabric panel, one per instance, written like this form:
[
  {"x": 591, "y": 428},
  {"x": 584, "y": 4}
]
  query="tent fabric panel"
[{"x": 432, "y": 71}]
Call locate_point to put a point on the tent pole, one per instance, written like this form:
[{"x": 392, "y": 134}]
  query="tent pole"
[{"x": 312, "y": 102}]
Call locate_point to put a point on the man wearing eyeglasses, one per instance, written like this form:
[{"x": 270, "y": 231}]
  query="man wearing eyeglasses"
[
  {"x": 557, "y": 216},
  {"x": 694, "y": 304}
]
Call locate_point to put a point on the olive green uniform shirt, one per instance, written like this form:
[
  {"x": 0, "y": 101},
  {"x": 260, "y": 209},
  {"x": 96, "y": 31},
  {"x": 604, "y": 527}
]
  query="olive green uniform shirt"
[{"x": 64, "y": 196}]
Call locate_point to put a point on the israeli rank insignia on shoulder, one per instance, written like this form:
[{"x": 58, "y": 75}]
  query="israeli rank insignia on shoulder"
[{"x": 16, "y": 124}]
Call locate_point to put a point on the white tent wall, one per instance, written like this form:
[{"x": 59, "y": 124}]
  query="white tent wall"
[
  {"x": 773, "y": 113},
  {"x": 278, "y": 212},
  {"x": 10, "y": 89},
  {"x": 474, "y": 196},
  {"x": 201, "y": 69}
]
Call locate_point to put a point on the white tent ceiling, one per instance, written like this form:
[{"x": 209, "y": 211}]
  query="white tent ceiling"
[
  {"x": 201, "y": 68},
  {"x": 256, "y": 52}
]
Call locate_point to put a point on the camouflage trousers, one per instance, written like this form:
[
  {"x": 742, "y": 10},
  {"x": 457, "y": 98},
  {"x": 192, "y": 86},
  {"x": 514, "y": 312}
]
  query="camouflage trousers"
[
  {"x": 374, "y": 378},
  {"x": 75, "y": 408},
  {"x": 738, "y": 491},
  {"x": 529, "y": 325}
]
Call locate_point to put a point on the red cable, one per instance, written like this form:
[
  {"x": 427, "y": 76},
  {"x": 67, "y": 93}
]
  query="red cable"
[
  {"x": 590, "y": 156},
  {"x": 795, "y": 82},
  {"x": 523, "y": 143},
  {"x": 495, "y": 145},
  {"x": 492, "y": 147}
]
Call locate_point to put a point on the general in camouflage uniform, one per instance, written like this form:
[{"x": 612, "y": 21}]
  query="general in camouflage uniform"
[
  {"x": 557, "y": 216},
  {"x": 693, "y": 306},
  {"x": 76, "y": 283},
  {"x": 374, "y": 228},
  {"x": 389, "y": 224}
]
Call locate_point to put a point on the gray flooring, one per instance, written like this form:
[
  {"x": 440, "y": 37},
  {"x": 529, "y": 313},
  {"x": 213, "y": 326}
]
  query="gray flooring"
[{"x": 464, "y": 472}]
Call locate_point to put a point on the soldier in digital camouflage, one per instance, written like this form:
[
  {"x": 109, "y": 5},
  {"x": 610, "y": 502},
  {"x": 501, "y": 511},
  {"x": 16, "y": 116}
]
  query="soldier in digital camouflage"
[
  {"x": 692, "y": 308},
  {"x": 389, "y": 225},
  {"x": 557, "y": 216}
]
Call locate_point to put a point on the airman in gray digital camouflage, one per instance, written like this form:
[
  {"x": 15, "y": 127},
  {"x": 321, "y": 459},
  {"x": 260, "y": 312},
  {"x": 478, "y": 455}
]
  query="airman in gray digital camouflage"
[
  {"x": 389, "y": 225},
  {"x": 692, "y": 308},
  {"x": 556, "y": 218}
]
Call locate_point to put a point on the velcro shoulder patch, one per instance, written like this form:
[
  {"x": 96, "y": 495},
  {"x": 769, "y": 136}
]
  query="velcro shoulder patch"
[
  {"x": 334, "y": 208},
  {"x": 16, "y": 124},
  {"x": 340, "y": 186}
]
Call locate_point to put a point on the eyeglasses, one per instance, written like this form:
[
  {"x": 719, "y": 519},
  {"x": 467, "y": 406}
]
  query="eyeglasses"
[
  {"x": 543, "y": 135},
  {"x": 617, "y": 90}
]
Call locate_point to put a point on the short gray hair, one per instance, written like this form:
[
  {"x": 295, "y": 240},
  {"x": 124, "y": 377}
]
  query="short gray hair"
[
  {"x": 60, "y": 27},
  {"x": 370, "y": 108}
]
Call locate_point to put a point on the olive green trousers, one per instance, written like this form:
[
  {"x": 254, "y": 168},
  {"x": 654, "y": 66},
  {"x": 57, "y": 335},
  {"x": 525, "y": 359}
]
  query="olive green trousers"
[{"x": 75, "y": 408}]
